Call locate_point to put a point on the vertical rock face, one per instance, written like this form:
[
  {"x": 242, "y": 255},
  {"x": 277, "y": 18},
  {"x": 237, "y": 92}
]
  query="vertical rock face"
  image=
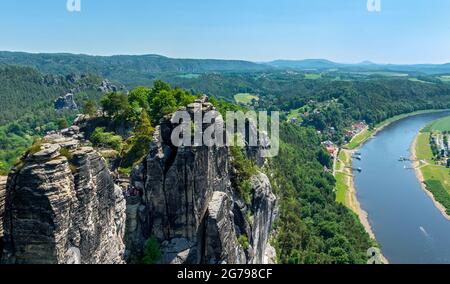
[
  {"x": 2, "y": 210},
  {"x": 63, "y": 208},
  {"x": 263, "y": 208},
  {"x": 2, "y": 201},
  {"x": 190, "y": 205}
]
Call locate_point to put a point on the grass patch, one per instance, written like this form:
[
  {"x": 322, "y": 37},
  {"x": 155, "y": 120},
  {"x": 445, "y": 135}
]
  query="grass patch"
[
  {"x": 359, "y": 139},
  {"x": 36, "y": 147},
  {"x": 313, "y": 76},
  {"x": 341, "y": 187},
  {"x": 65, "y": 153},
  {"x": 296, "y": 113},
  {"x": 423, "y": 149},
  {"x": 100, "y": 138},
  {"x": 445, "y": 78},
  {"x": 413, "y": 79},
  {"x": 189, "y": 76},
  {"x": 439, "y": 173},
  {"x": 245, "y": 98},
  {"x": 441, "y": 125},
  {"x": 440, "y": 193}
]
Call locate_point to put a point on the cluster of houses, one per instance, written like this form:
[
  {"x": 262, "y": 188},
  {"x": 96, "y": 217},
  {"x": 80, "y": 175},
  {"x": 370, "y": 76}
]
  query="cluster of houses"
[
  {"x": 332, "y": 148},
  {"x": 355, "y": 129},
  {"x": 441, "y": 143}
]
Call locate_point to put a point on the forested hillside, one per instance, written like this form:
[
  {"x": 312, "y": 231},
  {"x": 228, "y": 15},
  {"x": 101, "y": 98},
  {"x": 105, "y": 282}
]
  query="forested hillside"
[
  {"x": 332, "y": 103},
  {"x": 312, "y": 228},
  {"x": 27, "y": 106},
  {"x": 129, "y": 70}
]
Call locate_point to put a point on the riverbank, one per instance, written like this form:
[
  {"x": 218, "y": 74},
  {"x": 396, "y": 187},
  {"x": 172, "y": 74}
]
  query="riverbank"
[
  {"x": 346, "y": 192},
  {"x": 418, "y": 165},
  {"x": 367, "y": 133}
]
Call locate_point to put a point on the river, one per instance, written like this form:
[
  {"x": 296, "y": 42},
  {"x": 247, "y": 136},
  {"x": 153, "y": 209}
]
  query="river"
[{"x": 409, "y": 228}]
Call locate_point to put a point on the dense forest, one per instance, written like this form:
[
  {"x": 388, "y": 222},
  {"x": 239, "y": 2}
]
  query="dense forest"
[
  {"x": 337, "y": 103},
  {"x": 312, "y": 227},
  {"x": 129, "y": 70}
]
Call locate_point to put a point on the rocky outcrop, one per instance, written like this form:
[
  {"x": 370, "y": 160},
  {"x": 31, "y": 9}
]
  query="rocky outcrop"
[
  {"x": 62, "y": 206},
  {"x": 2, "y": 209},
  {"x": 2, "y": 201},
  {"x": 66, "y": 102},
  {"x": 264, "y": 212},
  {"x": 106, "y": 87},
  {"x": 190, "y": 206}
]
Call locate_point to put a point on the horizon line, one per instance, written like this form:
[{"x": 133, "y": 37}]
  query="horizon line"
[{"x": 366, "y": 61}]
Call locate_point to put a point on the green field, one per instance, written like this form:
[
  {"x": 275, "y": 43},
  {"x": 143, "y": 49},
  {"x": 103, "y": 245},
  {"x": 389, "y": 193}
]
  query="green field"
[
  {"x": 189, "y": 76},
  {"x": 313, "y": 76},
  {"x": 413, "y": 79},
  {"x": 296, "y": 113},
  {"x": 423, "y": 149},
  {"x": 441, "y": 125},
  {"x": 341, "y": 187},
  {"x": 445, "y": 78},
  {"x": 342, "y": 177},
  {"x": 245, "y": 98}
]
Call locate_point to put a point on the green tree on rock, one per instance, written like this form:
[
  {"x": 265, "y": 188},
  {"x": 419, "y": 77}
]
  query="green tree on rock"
[
  {"x": 115, "y": 104},
  {"x": 89, "y": 108},
  {"x": 163, "y": 103},
  {"x": 139, "y": 96}
]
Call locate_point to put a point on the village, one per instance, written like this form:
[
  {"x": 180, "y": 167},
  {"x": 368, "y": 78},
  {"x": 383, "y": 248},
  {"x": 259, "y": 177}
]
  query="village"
[
  {"x": 333, "y": 149},
  {"x": 439, "y": 142}
]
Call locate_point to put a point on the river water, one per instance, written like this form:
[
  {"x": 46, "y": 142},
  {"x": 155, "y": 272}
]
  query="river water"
[{"x": 405, "y": 221}]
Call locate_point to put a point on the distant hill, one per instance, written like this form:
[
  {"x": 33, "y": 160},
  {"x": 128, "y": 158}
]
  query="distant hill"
[
  {"x": 365, "y": 66},
  {"x": 132, "y": 70},
  {"x": 127, "y": 69},
  {"x": 305, "y": 64}
]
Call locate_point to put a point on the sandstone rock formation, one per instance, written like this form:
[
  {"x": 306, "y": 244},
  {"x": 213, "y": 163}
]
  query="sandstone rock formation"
[
  {"x": 106, "y": 87},
  {"x": 66, "y": 102},
  {"x": 2, "y": 209},
  {"x": 62, "y": 206},
  {"x": 189, "y": 204}
]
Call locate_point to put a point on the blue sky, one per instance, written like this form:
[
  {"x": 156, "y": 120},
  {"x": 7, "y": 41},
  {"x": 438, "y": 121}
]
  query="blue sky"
[{"x": 405, "y": 31}]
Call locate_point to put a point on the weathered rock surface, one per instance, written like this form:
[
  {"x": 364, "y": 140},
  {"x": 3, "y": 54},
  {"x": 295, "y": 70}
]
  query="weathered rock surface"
[
  {"x": 66, "y": 206},
  {"x": 2, "y": 209},
  {"x": 66, "y": 102},
  {"x": 63, "y": 209},
  {"x": 190, "y": 206},
  {"x": 106, "y": 87},
  {"x": 263, "y": 209},
  {"x": 2, "y": 202}
]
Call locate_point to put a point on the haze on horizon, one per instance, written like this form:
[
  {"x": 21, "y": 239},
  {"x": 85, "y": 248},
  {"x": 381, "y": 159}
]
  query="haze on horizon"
[{"x": 344, "y": 31}]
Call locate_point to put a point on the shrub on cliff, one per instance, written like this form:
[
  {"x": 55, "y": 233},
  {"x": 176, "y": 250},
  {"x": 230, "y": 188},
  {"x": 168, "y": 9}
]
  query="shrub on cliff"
[
  {"x": 245, "y": 169},
  {"x": 138, "y": 144},
  {"x": 100, "y": 138},
  {"x": 152, "y": 252}
]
